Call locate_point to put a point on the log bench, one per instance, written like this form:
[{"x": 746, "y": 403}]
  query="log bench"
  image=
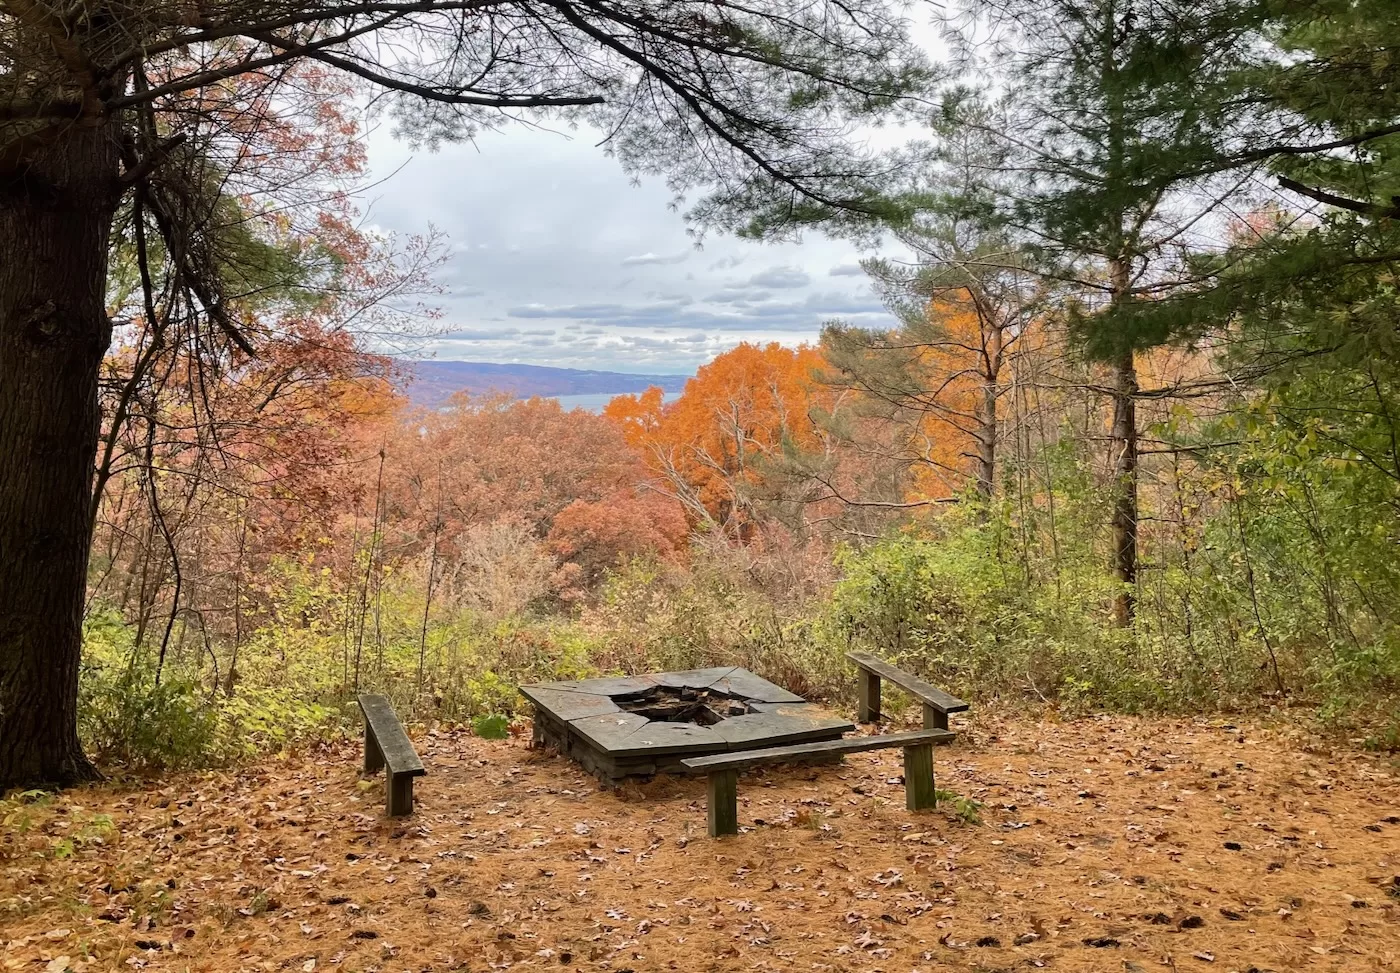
[
  {"x": 723, "y": 769},
  {"x": 937, "y": 704},
  {"x": 387, "y": 745}
]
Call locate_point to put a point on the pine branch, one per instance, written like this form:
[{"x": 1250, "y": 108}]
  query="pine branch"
[{"x": 1342, "y": 202}]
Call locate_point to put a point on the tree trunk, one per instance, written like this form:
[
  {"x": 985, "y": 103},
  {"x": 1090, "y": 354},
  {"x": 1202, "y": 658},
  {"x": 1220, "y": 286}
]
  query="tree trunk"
[
  {"x": 56, "y": 215},
  {"x": 1125, "y": 503},
  {"x": 986, "y": 411}
]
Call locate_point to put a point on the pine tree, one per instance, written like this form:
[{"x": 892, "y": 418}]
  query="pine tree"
[
  {"x": 962, "y": 307},
  {"x": 1109, "y": 114}
]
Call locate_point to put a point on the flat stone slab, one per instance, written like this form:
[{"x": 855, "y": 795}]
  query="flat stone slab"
[
  {"x": 609, "y": 733},
  {"x": 744, "y": 684},
  {"x": 615, "y": 686},
  {"x": 694, "y": 678},
  {"x": 667, "y": 738},
  {"x": 566, "y": 705},
  {"x": 592, "y": 719},
  {"x": 769, "y": 729}
]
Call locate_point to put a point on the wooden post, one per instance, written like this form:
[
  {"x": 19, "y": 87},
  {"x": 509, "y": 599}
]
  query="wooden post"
[
  {"x": 374, "y": 757},
  {"x": 724, "y": 803},
  {"x": 868, "y": 703},
  {"x": 934, "y": 718},
  {"x": 400, "y": 794},
  {"x": 918, "y": 777}
]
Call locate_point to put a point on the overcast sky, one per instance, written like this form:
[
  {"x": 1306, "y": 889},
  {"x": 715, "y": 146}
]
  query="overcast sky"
[{"x": 558, "y": 259}]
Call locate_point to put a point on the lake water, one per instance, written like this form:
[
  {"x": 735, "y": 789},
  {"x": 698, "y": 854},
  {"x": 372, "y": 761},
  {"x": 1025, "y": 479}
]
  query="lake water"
[{"x": 592, "y": 402}]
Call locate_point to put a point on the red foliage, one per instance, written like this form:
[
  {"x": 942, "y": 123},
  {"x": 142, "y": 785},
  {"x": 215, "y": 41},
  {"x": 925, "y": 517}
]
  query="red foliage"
[{"x": 597, "y": 535}]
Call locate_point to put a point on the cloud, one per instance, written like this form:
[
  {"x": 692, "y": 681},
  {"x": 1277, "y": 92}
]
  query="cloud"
[
  {"x": 780, "y": 277},
  {"x": 738, "y": 295},
  {"x": 600, "y": 313},
  {"x": 655, "y": 258},
  {"x": 846, "y": 270},
  {"x": 807, "y": 315},
  {"x": 483, "y": 334},
  {"x": 549, "y": 233}
]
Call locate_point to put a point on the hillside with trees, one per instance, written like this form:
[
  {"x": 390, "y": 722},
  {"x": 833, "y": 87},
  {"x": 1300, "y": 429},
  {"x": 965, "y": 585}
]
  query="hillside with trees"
[
  {"x": 1128, "y": 443},
  {"x": 1122, "y": 471}
]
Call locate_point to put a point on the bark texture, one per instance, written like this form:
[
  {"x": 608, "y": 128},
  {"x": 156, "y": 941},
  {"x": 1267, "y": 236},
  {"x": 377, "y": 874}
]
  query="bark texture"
[
  {"x": 56, "y": 215},
  {"x": 990, "y": 364},
  {"x": 1125, "y": 502}
]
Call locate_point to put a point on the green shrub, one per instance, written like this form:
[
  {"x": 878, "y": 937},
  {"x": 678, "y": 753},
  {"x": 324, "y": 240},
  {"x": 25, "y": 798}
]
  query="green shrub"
[
  {"x": 126, "y": 717},
  {"x": 494, "y": 727}
]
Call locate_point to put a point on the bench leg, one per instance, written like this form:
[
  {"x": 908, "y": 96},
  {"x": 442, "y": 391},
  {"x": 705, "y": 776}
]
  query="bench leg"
[
  {"x": 724, "y": 803},
  {"x": 374, "y": 757},
  {"x": 400, "y": 795},
  {"x": 918, "y": 777},
  {"x": 868, "y": 703},
  {"x": 934, "y": 719}
]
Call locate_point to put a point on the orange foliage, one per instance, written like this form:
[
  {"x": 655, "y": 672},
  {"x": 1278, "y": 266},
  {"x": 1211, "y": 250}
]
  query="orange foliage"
[
  {"x": 591, "y": 536},
  {"x": 953, "y": 365},
  {"x": 711, "y": 443}
]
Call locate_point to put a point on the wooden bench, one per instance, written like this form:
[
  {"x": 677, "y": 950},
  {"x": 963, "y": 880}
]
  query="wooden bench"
[
  {"x": 937, "y": 704},
  {"x": 386, "y": 744},
  {"x": 723, "y": 769}
]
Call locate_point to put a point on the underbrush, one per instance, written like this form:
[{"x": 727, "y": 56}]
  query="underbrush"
[
  {"x": 966, "y": 608},
  {"x": 963, "y": 603},
  {"x": 137, "y": 713}
]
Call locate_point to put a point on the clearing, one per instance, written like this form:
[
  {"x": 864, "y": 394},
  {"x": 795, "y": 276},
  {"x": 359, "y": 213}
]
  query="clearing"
[{"x": 1104, "y": 844}]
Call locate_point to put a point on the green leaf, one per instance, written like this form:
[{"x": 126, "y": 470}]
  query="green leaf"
[{"x": 493, "y": 727}]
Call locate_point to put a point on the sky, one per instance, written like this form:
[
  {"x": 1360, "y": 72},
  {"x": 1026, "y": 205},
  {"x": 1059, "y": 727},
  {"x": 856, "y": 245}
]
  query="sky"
[{"x": 559, "y": 258}]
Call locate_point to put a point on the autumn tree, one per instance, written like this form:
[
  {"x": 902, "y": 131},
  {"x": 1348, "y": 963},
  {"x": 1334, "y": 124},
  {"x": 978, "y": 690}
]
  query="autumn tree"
[
  {"x": 963, "y": 304},
  {"x": 566, "y": 480},
  {"x": 103, "y": 104},
  {"x": 937, "y": 381},
  {"x": 715, "y": 444},
  {"x": 503, "y": 458},
  {"x": 212, "y": 462}
]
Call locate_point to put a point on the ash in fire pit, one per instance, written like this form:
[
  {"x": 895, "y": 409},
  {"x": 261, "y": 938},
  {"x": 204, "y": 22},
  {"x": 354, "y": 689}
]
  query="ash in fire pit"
[
  {"x": 636, "y": 726},
  {"x": 681, "y": 704}
]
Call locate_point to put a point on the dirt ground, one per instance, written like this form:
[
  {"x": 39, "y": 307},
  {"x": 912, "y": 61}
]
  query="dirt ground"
[{"x": 1104, "y": 845}]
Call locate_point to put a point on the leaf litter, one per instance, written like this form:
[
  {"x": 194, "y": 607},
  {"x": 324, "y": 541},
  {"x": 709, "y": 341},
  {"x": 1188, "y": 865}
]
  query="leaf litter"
[{"x": 1104, "y": 844}]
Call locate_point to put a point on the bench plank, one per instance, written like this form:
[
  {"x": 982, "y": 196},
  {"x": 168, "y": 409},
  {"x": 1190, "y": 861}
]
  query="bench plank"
[
  {"x": 395, "y": 748},
  {"x": 776, "y": 755},
  {"x": 386, "y": 744},
  {"x": 931, "y": 696},
  {"x": 723, "y": 768}
]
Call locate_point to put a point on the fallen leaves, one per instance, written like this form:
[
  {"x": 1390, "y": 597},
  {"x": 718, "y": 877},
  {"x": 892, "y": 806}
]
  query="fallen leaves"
[{"x": 515, "y": 861}]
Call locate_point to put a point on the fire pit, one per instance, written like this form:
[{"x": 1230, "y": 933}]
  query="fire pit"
[{"x": 636, "y": 726}]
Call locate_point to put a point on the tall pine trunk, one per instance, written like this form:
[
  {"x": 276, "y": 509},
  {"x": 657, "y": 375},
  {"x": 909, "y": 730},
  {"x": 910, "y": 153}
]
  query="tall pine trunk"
[
  {"x": 1125, "y": 475},
  {"x": 56, "y": 216},
  {"x": 985, "y": 409}
]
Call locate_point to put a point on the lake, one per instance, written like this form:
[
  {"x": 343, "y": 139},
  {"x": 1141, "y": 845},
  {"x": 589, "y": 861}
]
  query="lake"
[{"x": 593, "y": 402}]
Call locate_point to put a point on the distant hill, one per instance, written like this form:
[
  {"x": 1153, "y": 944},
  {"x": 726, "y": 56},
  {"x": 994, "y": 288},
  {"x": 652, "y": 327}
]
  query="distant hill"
[{"x": 432, "y": 383}]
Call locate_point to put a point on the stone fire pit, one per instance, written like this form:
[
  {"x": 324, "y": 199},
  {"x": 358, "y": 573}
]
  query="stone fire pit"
[{"x": 637, "y": 726}]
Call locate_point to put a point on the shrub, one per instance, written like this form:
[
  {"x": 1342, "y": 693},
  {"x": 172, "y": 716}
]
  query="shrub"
[{"x": 127, "y": 717}]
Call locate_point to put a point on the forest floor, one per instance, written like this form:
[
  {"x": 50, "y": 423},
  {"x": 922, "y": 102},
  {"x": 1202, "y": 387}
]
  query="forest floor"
[{"x": 1104, "y": 844}]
